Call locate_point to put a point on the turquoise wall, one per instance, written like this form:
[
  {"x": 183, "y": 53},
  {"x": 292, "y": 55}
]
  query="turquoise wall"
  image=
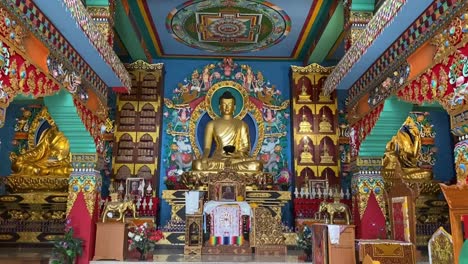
[{"x": 278, "y": 73}]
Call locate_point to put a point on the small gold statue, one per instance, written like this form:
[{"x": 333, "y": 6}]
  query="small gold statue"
[
  {"x": 304, "y": 97},
  {"x": 333, "y": 208},
  {"x": 326, "y": 158},
  {"x": 232, "y": 140},
  {"x": 51, "y": 156},
  {"x": 324, "y": 125},
  {"x": 304, "y": 125},
  {"x": 306, "y": 156},
  {"x": 121, "y": 208}
]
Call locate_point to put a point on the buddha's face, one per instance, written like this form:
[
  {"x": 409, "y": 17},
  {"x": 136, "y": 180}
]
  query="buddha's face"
[{"x": 227, "y": 106}]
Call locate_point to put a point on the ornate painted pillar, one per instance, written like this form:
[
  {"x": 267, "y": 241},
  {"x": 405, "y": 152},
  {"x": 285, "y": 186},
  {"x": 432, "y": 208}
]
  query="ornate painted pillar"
[
  {"x": 356, "y": 25},
  {"x": 83, "y": 200},
  {"x": 104, "y": 18}
]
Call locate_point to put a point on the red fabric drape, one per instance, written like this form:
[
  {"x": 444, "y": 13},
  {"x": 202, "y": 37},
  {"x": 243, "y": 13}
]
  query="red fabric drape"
[{"x": 373, "y": 221}]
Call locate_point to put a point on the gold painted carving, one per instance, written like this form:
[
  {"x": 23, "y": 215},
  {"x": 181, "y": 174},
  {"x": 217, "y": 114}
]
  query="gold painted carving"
[
  {"x": 119, "y": 207},
  {"x": 266, "y": 230},
  {"x": 312, "y": 68},
  {"x": 441, "y": 247},
  {"x": 335, "y": 207}
]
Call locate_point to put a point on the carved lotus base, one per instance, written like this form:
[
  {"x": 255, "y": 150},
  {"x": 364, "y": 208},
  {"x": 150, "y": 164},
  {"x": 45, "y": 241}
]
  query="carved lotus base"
[
  {"x": 193, "y": 179},
  {"x": 28, "y": 184}
]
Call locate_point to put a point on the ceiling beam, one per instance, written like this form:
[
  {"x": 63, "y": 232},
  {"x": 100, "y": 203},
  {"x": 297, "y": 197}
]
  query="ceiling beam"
[
  {"x": 123, "y": 28},
  {"x": 331, "y": 33}
]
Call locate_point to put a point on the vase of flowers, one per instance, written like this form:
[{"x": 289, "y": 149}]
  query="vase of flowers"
[
  {"x": 304, "y": 242},
  {"x": 143, "y": 239},
  {"x": 283, "y": 181},
  {"x": 171, "y": 182},
  {"x": 67, "y": 249}
]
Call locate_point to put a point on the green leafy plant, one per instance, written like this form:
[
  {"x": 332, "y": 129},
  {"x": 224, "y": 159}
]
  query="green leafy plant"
[
  {"x": 68, "y": 248},
  {"x": 304, "y": 239}
]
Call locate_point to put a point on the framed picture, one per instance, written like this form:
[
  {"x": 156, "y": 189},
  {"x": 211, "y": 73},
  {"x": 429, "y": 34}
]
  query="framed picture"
[
  {"x": 135, "y": 187},
  {"x": 318, "y": 184},
  {"x": 227, "y": 192}
]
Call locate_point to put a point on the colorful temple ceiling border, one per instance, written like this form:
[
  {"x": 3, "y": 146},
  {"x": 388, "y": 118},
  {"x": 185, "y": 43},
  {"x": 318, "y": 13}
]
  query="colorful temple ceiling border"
[
  {"x": 293, "y": 28},
  {"x": 393, "y": 60},
  {"x": 88, "y": 56},
  {"x": 352, "y": 68}
]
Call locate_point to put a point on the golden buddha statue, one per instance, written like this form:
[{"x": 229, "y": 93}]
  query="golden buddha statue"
[
  {"x": 304, "y": 125},
  {"x": 50, "y": 157},
  {"x": 324, "y": 125},
  {"x": 231, "y": 137},
  {"x": 404, "y": 148},
  {"x": 306, "y": 156},
  {"x": 304, "y": 97},
  {"x": 326, "y": 158}
]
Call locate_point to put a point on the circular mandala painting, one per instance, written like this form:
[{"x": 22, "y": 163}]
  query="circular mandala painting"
[{"x": 228, "y": 26}]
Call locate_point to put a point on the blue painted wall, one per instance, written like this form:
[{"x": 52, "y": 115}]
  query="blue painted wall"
[
  {"x": 278, "y": 73},
  {"x": 7, "y": 133},
  {"x": 444, "y": 167}
]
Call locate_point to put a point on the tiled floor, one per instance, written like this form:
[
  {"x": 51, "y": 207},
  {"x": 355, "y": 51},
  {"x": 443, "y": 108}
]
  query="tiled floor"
[{"x": 42, "y": 255}]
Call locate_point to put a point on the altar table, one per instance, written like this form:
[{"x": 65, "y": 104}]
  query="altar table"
[{"x": 387, "y": 251}]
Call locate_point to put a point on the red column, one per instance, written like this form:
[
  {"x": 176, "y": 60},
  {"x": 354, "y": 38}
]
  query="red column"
[{"x": 82, "y": 209}]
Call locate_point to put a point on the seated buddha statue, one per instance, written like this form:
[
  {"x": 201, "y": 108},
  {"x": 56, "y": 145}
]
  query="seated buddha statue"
[
  {"x": 51, "y": 156},
  {"x": 404, "y": 148},
  {"x": 231, "y": 137},
  {"x": 304, "y": 97},
  {"x": 306, "y": 156},
  {"x": 304, "y": 125},
  {"x": 324, "y": 125}
]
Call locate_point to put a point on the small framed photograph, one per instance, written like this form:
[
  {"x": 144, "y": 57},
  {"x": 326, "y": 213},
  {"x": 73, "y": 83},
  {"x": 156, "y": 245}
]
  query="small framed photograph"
[
  {"x": 135, "y": 187},
  {"x": 227, "y": 192},
  {"x": 318, "y": 185}
]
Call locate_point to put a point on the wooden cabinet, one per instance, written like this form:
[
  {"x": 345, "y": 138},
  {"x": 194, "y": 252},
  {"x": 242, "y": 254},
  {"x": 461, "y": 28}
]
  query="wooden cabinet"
[
  {"x": 137, "y": 136},
  {"x": 111, "y": 241},
  {"x": 327, "y": 252}
]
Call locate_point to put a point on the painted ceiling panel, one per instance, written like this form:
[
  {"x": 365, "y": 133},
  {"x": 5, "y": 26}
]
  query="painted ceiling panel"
[{"x": 275, "y": 29}]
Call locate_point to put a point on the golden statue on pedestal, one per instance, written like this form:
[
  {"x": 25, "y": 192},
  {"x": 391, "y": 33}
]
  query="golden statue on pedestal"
[
  {"x": 404, "y": 148},
  {"x": 231, "y": 137},
  {"x": 304, "y": 97},
  {"x": 306, "y": 156},
  {"x": 324, "y": 125},
  {"x": 326, "y": 158},
  {"x": 304, "y": 125},
  {"x": 45, "y": 166},
  {"x": 51, "y": 156}
]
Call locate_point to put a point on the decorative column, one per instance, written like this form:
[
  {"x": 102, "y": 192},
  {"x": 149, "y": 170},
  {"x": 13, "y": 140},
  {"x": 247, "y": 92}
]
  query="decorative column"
[
  {"x": 103, "y": 16},
  {"x": 83, "y": 200},
  {"x": 355, "y": 25}
]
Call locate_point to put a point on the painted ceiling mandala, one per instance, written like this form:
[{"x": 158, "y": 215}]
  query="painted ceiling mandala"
[{"x": 228, "y": 26}]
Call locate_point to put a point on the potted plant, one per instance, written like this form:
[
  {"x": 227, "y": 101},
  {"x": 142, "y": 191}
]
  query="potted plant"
[
  {"x": 143, "y": 239},
  {"x": 68, "y": 248},
  {"x": 304, "y": 242}
]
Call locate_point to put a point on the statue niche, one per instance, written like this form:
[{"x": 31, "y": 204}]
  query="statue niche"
[{"x": 45, "y": 165}]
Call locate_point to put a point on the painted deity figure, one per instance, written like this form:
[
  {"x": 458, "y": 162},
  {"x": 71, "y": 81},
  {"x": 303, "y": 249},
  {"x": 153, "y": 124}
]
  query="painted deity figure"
[{"x": 231, "y": 137}]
